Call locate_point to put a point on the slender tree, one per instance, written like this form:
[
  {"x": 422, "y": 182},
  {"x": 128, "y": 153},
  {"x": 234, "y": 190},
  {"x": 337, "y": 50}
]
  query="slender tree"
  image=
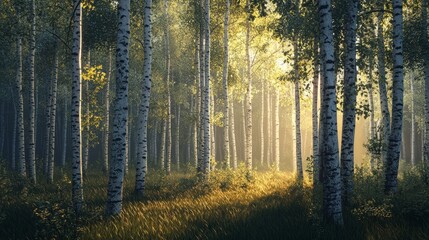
[
  {"x": 329, "y": 148},
  {"x": 21, "y": 145},
  {"x": 144, "y": 107},
  {"x": 51, "y": 159},
  {"x": 315, "y": 117},
  {"x": 426, "y": 77},
  {"x": 349, "y": 104},
  {"x": 385, "y": 115},
  {"x": 77, "y": 190},
  {"x": 206, "y": 112},
  {"x": 226, "y": 153},
  {"x": 394, "y": 149},
  {"x": 32, "y": 128},
  {"x": 249, "y": 145},
  {"x": 116, "y": 176},
  {"x": 107, "y": 116}
]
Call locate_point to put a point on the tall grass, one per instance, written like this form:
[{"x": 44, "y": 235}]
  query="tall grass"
[{"x": 230, "y": 205}]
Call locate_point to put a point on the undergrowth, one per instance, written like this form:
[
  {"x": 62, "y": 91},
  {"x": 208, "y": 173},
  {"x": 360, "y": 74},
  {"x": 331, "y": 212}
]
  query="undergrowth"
[{"x": 229, "y": 205}]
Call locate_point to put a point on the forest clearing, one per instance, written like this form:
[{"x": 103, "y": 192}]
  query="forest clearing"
[{"x": 221, "y": 119}]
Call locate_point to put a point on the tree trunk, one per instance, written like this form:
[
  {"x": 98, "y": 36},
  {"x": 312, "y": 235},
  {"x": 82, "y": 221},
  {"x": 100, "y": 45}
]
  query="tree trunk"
[
  {"x": 372, "y": 127},
  {"x": 315, "y": 121},
  {"x": 32, "y": 114},
  {"x": 77, "y": 190},
  {"x": 177, "y": 144},
  {"x": 349, "y": 104},
  {"x": 107, "y": 117},
  {"x": 212, "y": 134},
  {"x": 249, "y": 92},
  {"x": 243, "y": 108},
  {"x": 394, "y": 149},
  {"x": 426, "y": 77},
  {"x": 142, "y": 155},
  {"x": 65, "y": 126},
  {"x": 298, "y": 156},
  {"x": 200, "y": 167},
  {"x": 277, "y": 131},
  {"x": 120, "y": 120},
  {"x": 86, "y": 128},
  {"x": 48, "y": 129},
  {"x": 21, "y": 144},
  {"x": 163, "y": 143},
  {"x": 226, "y": 153},
  {"x": 207, "y": 149},
  {"x": 385, "y": 115},
  {"x": 51, "y": 159},
  {"x": 269, "y": 130},
  {"x": 13, "y": 145},
  {"x": 234, "y": 144},
  {"x": 168, "y": 75},
  {"x": 329, "y": 154}
]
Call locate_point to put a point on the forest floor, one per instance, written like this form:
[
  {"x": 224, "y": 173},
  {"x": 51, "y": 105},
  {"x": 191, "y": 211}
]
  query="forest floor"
[{"x": 269, "y": 205}]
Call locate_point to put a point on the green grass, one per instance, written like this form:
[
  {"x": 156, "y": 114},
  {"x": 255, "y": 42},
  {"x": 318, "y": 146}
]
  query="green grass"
[{"x": 230, "y": 206}]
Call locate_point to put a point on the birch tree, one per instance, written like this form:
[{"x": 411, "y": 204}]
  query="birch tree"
[
  {"x": 107, "y": 117},
  {"x": 329, "y": 148},
  {"x": 206, "y": 112},
  {"x": 119, "y": 144},
  {"x": 226, "y": 153},
  {"x": 77, "y": 190},
  {"x": 51, "y": 159},
  {"x": 21, "y": 144},
  {"x": 426, "y": 78},
  {"x": 142, "y": 152},
  {"x": 32, "y": 114},
  {"x": 394, "y": 148},
  {"x": 249, "y": 91},
  {"x": 314, "y": 110},
  {"x": 349, "y": 104},
  {"x": 385, "y": 115}
]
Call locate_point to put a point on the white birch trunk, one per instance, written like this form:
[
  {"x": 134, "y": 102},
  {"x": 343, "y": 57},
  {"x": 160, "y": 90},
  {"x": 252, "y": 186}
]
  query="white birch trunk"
[
  {"x": 315, "y": 117},
  {"x": 226, "y": 153},
  {"x": 349, "y": 103},
  {"x": 141, "y": 168},
  {"x": 32, "y": 114},
  {"x": 394, "y": 148},
  {"x": 372, "y": 127},
  {"x": 232, "y": 129},
  {"x": 48, "y": 129},
  {"x": 13, "y": 145},
  {"x": 119, "y": 130},
  {"x": 77, "y": 182},
  {"x": 426, "y": 78},
  {"x": 298, "y": 152},
  {"x": 168, "y": 76},
  {"x": 51, "y": 159},
  {"x": 269, "y": 130},
  {"x": 249, "y": 131},
  {"x": 107, "y": 117},
  {"x": 207, "y": 149},
  {"x": 277, "y": 131},
  {"x": 385, "y": 115},
  {"x": 65, "y": 127},
  {"x": 163, "y": 143},
  {"x": 329, "y": 148},
  {"x": 177, "y": 144},
  {"x": 21, "y": 144}
]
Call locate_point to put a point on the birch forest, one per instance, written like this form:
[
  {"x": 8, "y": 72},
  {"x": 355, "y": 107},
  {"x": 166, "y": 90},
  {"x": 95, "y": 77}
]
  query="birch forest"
[{"x": 214, "y": 119}]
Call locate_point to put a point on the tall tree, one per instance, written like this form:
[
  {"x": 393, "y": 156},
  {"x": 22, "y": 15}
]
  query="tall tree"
[
  {"x": 142, "y": 152},
  {"x": 119, "y": 144},
  {"x": 298, "y": 153},
  {"x": 31, "y": 130},
  {"x": 426, "y": 77},
  {"x": 107, "y": 117},
  {"x": 394, "y": 149},
  {"x": 51, "y": 159},
  {"x": 206, "y": 112},
  {"x": 21, "y": 145},
  {"x": 249, "y": 131},
  {"x": 226, "y": 153},
  {"x": 314, "y": 109},
  {"x": 77, "y": 190},
  {"x": 349, "y": 104},
  {"x": 385, "y": 115},
  {"x": 168, "y": 76},
  {"x": 329, "y": 147}
]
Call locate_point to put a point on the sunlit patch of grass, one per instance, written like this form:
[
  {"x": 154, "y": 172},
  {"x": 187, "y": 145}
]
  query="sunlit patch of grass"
[{"x": 230, "y": 205}]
